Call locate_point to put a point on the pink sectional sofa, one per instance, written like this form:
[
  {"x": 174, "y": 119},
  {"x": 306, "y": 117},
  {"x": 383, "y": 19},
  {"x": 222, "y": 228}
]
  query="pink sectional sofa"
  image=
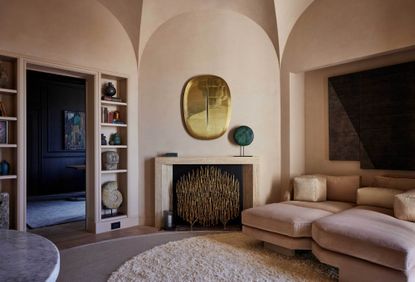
[{"x": 357, "y": 234}]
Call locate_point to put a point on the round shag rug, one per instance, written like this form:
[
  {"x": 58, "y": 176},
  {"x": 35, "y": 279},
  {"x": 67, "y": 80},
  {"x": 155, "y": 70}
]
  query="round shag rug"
[{"x": 221, "y": 257}]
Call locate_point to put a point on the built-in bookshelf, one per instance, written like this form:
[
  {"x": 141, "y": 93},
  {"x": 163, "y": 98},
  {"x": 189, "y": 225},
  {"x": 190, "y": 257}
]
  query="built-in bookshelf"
[
  {"x": 8, "y": 132},
  {"x": 114, "y": 126}
]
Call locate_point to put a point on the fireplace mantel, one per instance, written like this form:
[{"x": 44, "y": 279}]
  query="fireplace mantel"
[{"x": 164, "y": 179}]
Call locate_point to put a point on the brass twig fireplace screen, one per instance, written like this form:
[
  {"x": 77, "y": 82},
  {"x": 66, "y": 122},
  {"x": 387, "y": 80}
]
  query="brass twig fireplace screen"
[
  {"x": 208, "y": 195},
  {"x": 166, "y": 178}
]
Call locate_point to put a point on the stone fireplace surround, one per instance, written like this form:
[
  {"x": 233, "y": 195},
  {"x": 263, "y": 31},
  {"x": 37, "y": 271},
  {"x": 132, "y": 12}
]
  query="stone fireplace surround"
[{"x": 164, "y": 179}]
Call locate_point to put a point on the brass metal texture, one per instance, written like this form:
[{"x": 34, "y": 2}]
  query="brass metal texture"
[
  {"x": 208, "y": 195},
  {"x": 206, "y": 107}
]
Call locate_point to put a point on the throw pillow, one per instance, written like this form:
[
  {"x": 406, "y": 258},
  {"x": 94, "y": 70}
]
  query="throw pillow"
[
  {"x": 377, "y": 196},
  {"x": 310, "y": 188},
  {"x": 404, "y": 206}
]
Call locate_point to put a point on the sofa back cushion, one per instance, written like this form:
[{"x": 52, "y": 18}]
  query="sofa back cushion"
[
  {"x": 404, "y": 205},
  {"x": 342, "y": 188},
  {"x": 394, "y": 182},
  {"x": 311, "y": 188},
  {"x": 377, "y": 196}
]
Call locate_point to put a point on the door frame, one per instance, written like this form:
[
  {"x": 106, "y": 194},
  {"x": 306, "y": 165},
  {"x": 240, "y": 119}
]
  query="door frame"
[{"x": 92, "y": 96}]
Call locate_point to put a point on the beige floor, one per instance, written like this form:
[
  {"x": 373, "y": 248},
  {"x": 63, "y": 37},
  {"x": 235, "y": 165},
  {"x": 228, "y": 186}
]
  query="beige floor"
[
  {"x": 96, "y": 262},
  {"x": 73, "y": 234}
]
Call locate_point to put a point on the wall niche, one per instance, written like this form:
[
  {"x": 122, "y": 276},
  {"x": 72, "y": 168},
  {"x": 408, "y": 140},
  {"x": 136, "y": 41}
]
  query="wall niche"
[{"x": 372, "y": 117}]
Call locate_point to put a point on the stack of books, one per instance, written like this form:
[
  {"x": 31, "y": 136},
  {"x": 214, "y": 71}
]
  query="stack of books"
[{"x": 113, "y": 99}]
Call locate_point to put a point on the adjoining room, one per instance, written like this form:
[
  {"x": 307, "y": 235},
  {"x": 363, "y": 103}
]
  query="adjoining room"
[{"x": 56, "y": 144}]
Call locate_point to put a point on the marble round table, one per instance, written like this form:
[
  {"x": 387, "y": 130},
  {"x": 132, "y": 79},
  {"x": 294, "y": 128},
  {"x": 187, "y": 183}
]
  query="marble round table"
[{"x": 27, "y": 257}]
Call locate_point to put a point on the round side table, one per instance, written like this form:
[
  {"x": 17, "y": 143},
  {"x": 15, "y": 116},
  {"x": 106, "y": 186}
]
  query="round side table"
[{"x": 27, "y": 257}]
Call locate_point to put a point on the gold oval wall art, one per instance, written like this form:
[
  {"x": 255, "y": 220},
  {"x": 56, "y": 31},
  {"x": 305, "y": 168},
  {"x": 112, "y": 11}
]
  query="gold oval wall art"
[{"x": 206, "y": 106}]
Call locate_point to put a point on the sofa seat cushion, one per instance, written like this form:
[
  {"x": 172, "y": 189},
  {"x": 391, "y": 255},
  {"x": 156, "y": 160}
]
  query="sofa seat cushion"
[
  {"x": 330, "y": 206},
  {"x": 283, "y": 218},
  {"x": 368, "y": 235},
  {"x": 376, "y": 209}
]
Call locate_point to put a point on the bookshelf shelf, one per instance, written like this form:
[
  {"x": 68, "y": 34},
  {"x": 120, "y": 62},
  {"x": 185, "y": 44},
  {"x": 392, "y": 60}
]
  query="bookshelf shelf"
[
  {"x": 4, "y": 177},
  {"x": 8, "y": 91},
  {"x": 114, "y": 147},
  {"x": 114, "y": 124},
  {"x": 112, "y": 103}
]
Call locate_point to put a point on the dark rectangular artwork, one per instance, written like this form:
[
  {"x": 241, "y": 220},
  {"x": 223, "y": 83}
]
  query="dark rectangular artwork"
[{"x": 372, "y": 117}]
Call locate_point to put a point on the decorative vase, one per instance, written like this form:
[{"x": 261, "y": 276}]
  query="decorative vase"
[
  {"x": 115, "y": 139},
  {"x": 4, "y": 168},
  {"x": 103, "y": 139},
  {"x": 110, "y": 160},
  {"x": 109, "y": 89},
  {"x": 111, "y": 196}
]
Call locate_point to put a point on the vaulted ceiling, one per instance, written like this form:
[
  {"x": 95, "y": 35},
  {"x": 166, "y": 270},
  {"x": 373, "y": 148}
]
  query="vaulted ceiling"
[{"x": 285, "y": 15}]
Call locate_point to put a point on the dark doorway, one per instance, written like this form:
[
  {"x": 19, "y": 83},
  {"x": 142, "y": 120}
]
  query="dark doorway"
[{"x": 56, "y": 145}]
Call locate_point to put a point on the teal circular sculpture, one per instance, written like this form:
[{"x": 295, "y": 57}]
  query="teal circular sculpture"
[{"x": 243, "y": 135}]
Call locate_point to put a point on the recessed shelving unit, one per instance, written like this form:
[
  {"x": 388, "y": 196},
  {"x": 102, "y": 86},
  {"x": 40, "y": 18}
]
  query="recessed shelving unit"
[
  {"x": 8, "y": 131},
  {"x": 107, "y": 218}
]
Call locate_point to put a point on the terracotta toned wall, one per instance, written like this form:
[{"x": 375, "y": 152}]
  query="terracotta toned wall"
[
  {"x": 331, "y": 33},
  {"x": 222, "y": 43}
]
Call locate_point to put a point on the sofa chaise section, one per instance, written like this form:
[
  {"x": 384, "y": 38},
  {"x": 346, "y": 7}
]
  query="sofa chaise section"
[
  {"x": 288, "y": 224},
  {"x": 370, "y": 236}
]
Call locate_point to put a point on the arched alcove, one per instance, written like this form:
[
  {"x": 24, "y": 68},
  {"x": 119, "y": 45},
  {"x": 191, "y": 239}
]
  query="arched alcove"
[
  {"x": 344, "y": 35},
  {"x": 81, "y": 33},
  {"x": 80, "y": 36},
  {"x": 222, "y": 43}
]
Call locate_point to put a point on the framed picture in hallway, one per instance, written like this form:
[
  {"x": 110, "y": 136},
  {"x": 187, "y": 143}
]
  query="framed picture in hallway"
[
  {"x": 74, "y": 130},
  {"x": 3, "y": 132}
]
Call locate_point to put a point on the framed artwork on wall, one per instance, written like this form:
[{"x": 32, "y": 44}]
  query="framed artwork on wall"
[
  {"x": 74, "y": 130},
  {"x": 3, "y": 132}
]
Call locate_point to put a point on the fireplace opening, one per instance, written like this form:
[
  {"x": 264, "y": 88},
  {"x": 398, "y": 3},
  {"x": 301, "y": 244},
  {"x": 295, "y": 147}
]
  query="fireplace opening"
[{"x": 207, "y": 196}]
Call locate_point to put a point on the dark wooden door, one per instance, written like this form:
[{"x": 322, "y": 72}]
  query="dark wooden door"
[{"x": 48, "y": 97}]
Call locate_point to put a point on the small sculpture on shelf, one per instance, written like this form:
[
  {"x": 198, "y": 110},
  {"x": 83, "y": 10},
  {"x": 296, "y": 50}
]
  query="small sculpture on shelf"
[
  {"x": 110, "y": 160},
  {"x": 109, "y": 89},
  {"x": 111, "y": 196},
  {"x": 109, "y": 92},
  {"x": 115, "y": 139},
  {"x": 4, "y": 168},
  {"x": 103, "y": 139}
]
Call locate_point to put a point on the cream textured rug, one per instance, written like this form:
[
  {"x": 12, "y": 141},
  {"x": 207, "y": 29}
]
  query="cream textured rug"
[{"x": 220, "y": 257}]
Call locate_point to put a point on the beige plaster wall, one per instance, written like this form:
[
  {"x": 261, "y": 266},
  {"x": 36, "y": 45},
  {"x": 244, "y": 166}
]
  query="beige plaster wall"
[
  {"x": 156, "y": 12},
  {"x": 81, "y": 33},
  {"x": 217, "y": 42},
  {"x": 331, "y": 33},
  {"x": 316, "y": 113},
  {"x": 77, "y": 33}
]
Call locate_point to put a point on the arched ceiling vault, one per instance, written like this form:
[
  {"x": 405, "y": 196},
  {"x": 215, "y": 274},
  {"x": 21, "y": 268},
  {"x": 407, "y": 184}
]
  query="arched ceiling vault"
[
  {"x": 287, "y": 13},
  {"x": 128, "y": 13},
  {"x": 276, "y": 17}
]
